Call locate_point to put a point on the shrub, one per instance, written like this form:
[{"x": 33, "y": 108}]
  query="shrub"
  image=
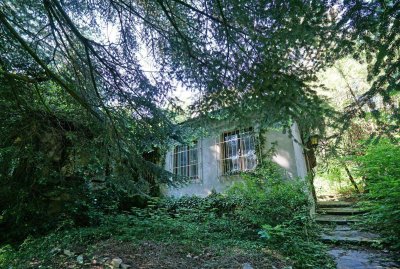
[
  {"x": 263, "y": 199},
  {"x": 380, "y": 168},
  {"x": 58, "y": 172},
  {"x": 262, "y": 205},
  {"x": 280, "y": 210},
  {"x": 248, "y": 217}
]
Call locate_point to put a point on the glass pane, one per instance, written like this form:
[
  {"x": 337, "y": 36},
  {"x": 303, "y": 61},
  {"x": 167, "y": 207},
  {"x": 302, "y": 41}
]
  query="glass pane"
[
  {"x": 193, "y": 156},
  {"x": 238, "y": 151},
  {"x": 185, "y": 161},
  {"x": 235, "y": 165},
  {"x": 193, "y": 171}
]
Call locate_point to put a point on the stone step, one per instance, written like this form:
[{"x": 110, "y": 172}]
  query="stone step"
[
  {"x": 349, "y": 240},
  {"x": 335, "y": 204},
  {"x": 337, "y": 228},
  {"x": 340, "y": 211},
  {"x": 363, "y": 258},
  {"x": 338, "y": 236},
  {"x": 335, "y": 219}
]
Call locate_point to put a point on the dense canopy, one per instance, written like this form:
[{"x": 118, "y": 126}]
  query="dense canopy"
[{"x": 88, "y": 88}]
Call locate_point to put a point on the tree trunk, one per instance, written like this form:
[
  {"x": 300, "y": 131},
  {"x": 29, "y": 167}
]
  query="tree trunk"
[{"x": 351, "y": 178}]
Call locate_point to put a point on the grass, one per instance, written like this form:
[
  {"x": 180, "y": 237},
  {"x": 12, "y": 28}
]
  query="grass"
[
  {"x": 195, "y": 237},
  {"x": 182, "y": 235}
]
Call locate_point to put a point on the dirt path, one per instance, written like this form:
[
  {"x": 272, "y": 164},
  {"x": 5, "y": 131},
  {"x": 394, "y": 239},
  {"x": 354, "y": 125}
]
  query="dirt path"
[{"x": 350, "y": 247}]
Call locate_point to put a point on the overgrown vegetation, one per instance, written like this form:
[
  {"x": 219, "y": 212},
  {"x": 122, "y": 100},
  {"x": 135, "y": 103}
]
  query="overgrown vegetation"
[
  {"x": 60, "y": 168},
  {"x": 379, "y": 167},
  {"x": 282, "y": 209},
  {"x": 262, "y": 212},
  {"x": 85, "y": 121}
]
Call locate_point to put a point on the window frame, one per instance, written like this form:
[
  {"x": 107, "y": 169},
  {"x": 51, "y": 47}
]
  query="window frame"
[
  {"x": 182, "y": 157},
  {"x": 242, "y": 157}
]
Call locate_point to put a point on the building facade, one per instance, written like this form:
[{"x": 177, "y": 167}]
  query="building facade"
[{"x": 214, "y": 162}]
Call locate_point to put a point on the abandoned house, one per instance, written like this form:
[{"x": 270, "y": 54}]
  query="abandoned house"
[{"x": 214, "y": 162}]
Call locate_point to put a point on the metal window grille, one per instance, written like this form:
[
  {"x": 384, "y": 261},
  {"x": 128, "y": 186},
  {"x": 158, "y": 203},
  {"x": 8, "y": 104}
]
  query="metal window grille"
[
  {"x": 185, "y": 161},
  {"x": 238, "y": 151}
]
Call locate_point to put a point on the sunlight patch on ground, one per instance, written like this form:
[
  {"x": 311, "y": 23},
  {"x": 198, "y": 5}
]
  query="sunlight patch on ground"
[{"x": 334, "y": 188}]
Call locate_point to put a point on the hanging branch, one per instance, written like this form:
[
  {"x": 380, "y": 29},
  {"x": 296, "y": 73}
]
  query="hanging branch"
[{"x": 42, "y": 64}]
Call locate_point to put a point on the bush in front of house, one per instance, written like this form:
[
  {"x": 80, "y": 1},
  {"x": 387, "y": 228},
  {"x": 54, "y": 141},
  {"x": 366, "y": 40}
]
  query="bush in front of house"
[
  {"x": 262, "y": 215},
  {"x": 280, "y": 209},
  {"x": 267, "y": 208},
  {"x": 269, "y": 200}
]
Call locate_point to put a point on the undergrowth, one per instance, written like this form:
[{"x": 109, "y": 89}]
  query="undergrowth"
[
  {"x": 256, "y": 214},
  {"x": 379, "y": 165}
]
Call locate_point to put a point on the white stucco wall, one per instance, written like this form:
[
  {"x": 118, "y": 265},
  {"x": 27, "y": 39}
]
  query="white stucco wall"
[
  {"x": 299, "y": 152},
  {"x": 289, "y": 155},
  {"x": 284, "y": 152}
]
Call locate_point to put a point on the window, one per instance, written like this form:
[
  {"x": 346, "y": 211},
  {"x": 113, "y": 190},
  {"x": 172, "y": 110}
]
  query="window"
[
  {"x": 238, "y": 151},
  {"x": 186, "y": 161}
]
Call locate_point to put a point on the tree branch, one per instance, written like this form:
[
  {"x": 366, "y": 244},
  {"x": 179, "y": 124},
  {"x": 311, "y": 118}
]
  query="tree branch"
[{"x": 43, "y": 65}]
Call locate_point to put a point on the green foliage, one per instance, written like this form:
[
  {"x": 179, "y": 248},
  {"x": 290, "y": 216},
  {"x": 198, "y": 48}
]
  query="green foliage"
[
  {"x": 277, "y": 210},
  {"x": 6, "y": 254},
  {"x": 264, "y": 198},
  {"x": 372, "y": 28},
  {"x": 60, "y": 167},
  {"x": 220, "y": 222},
  {"x": 297, "y": 240},
  {"x": 282, "y": 209},
  {"x": 336, "y": 162},
  {"x": 380, "y": 168},
  {"x": 98, "y": 72},
  {"x": 335, "y": 172}
]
